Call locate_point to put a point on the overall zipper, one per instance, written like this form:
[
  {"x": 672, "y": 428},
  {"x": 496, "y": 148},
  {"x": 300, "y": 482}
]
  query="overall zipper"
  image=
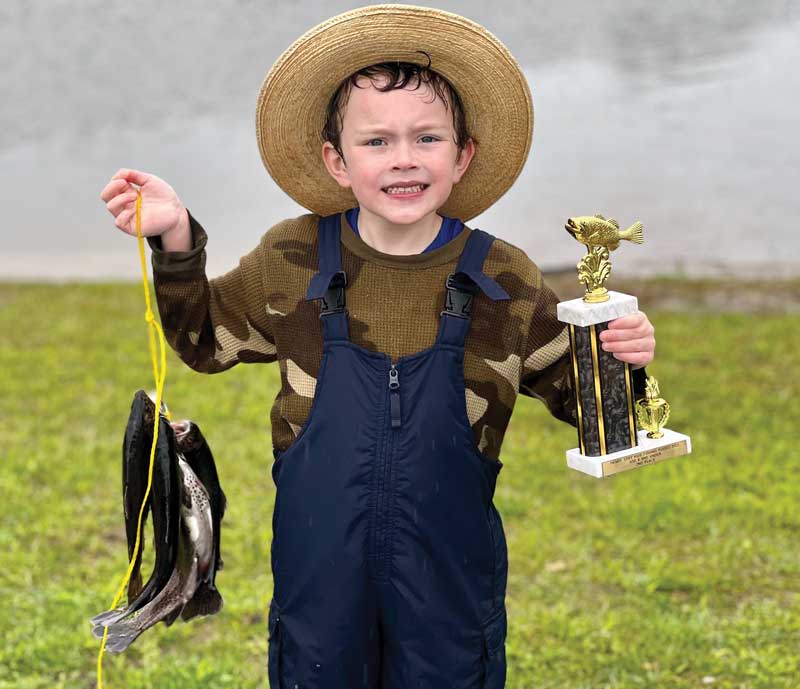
[
  {"x": 383, "y": 476},
  {"x": 394, "y": 395}
]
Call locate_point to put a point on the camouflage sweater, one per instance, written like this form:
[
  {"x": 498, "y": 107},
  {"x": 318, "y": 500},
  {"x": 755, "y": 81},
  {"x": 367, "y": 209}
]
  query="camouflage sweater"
[{"x": 257, "y": 313}]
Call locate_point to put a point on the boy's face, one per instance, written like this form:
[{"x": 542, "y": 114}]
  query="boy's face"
[{"x": 397, "y": 138}]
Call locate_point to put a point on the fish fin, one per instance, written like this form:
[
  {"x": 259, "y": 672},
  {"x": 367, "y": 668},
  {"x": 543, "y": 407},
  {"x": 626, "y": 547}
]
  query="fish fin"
[
  {"x": 613, "y": 247},
  {"x": 134, "y": 587},
  {"x": 597, "y": 215},
  {"x": 98, "y": 631},
  {"x": 104, "y": 619},
  {"x": 120, "y": 633},
  {"x": 613, "y": 222},
  {"x": 120, "y": 636},
  {"x": 223, "y": 504},
  {"x": 206, "y": 601},
  {"x": 172, "y": 615},
  {"x": 635, "y": 233}
]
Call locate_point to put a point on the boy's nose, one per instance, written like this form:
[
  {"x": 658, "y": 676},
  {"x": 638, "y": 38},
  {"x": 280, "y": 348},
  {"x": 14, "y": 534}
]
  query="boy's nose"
[{"x": 404, "y": 156}]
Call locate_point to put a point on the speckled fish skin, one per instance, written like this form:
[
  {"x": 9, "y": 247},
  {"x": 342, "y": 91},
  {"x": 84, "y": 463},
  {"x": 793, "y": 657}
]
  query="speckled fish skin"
[
  {"x": 595, "y": 230},
  {"x": 194, "y": 560},
  {"x": 135, "y": 463},
  {"x": 166, "y": 515},
  {"x": 195, "y": 450},
  {"x": 165, "y": 505}
]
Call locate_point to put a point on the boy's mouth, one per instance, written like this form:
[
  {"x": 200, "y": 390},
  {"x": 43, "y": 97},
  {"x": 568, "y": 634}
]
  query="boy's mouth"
[{"x": 405, "y": 189}]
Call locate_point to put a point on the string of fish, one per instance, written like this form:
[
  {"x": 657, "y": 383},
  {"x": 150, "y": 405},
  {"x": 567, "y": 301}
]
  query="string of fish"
[{"x": 159, "y": 361}]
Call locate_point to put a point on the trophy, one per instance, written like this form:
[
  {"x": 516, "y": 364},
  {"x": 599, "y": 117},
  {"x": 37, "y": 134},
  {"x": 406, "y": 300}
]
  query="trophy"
[{"x": 615, "y": 432}]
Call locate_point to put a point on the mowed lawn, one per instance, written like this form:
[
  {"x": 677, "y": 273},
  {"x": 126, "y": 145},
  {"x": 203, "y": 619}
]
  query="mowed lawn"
[{"x": 681, "y": 574}]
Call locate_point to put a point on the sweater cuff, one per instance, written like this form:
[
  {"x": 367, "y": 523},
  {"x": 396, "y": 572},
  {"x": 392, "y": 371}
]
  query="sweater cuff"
[{"x": 180, "y": 261}]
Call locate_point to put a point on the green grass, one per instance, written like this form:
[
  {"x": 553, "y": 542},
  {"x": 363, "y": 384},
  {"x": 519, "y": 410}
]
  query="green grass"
[{"x": 681, "y": 574}]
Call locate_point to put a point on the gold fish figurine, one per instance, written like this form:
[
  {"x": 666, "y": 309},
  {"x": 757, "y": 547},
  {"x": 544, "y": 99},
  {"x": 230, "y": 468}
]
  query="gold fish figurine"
[{"x": 595, "y": 230}]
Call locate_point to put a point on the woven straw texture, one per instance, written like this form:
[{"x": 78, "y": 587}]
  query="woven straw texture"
[{"x": 290, "y": 113}]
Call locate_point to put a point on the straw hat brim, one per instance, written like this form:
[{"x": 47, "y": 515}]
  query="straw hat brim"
[{"x": 290, "y": 113}]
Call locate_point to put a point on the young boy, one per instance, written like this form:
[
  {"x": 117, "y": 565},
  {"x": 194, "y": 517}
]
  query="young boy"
[{"x": 403, "y": 338}]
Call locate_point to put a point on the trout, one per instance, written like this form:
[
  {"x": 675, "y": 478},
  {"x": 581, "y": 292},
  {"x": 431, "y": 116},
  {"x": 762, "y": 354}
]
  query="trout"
[
  {"x": 193, "y": 561},
  {"x": 188, "y": 504}
]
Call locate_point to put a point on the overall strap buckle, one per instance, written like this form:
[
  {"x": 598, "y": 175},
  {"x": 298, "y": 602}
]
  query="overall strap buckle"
[
  {"x": 461, "y": 291},
  {"x": 333, "y": 301}
]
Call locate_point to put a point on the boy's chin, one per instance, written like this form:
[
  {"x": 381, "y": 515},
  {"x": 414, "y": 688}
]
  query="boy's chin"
[
  {"x": 400, "y": 215},
  {"x": 406, "y": 218}
]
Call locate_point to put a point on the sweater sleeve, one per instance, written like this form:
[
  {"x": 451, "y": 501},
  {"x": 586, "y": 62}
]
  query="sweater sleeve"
[
  {"x": 218, "y": 323},
  {"x": 546, "y": 371}
]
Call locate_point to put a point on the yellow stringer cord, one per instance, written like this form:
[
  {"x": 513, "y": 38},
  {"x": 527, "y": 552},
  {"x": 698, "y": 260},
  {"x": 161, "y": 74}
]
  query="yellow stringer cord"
[{"x": 159, "y": 373}]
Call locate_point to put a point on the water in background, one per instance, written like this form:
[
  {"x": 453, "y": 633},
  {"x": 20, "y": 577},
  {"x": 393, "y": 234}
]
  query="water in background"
[{"x": 680, "y": 114}]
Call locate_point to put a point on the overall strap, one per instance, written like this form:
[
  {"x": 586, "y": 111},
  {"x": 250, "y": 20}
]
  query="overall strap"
[
  {"x": 463, "y": 286},
  {"x": 329, "y": 283}
]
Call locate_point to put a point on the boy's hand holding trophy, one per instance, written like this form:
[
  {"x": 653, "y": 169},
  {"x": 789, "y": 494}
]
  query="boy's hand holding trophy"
[{"x": 615, "y": 433}]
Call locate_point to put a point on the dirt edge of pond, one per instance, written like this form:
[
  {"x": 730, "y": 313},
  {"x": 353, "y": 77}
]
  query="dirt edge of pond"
[
  {"x": 693, "y": 294},
  {"x": 662, "y": 293}
]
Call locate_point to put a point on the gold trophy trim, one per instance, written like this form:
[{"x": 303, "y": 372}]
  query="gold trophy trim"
[
  {"x": 598, "y": 395},
  {"x": 629, "y": 391},
  {"x": 593, "y": 270},
  {"x": 577, "y": 390},
  {"x": 652, "y": 412},
  {"x": 600, "y": 236},
  {"x": 649, "y": 443}
]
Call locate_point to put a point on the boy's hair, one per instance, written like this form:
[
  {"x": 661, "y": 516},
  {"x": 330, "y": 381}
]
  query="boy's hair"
[{"x": 398, "y": 75}]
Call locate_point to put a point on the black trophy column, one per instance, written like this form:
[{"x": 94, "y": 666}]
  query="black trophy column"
[{"x": 604, "y": 394}]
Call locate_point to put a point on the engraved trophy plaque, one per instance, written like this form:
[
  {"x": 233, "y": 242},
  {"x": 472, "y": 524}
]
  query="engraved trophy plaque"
[{"x": 615, "y": 432}]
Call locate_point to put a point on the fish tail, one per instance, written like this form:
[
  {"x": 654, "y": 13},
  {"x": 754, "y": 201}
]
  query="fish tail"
[
  {"x": 120, "y": 636},
  {"x": 635, "y": 233},
  {"x": 134, "y": 587},
  {"x": 108, "y": 617},
  {"x": 205, "y": 601}
]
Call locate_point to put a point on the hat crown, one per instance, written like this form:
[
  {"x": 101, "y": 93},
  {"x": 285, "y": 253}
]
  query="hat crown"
[{"x": 496, "y": 98}]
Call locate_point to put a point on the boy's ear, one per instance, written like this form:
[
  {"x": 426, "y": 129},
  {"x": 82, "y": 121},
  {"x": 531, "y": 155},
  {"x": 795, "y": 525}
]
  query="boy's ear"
[
  {"x": 335, "y": 165},
  {"x": 464, "y": 159}
]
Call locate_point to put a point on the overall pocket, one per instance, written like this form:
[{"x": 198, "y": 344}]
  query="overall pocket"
[
  {"x": 491, "y": 469},
  {"x": 275, "y": 646},
  {"x": 500, "y": 555},
  {"x": 494, "y": 650}
]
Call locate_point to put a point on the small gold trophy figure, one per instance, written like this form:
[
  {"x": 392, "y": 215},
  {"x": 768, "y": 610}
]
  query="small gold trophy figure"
[
  {"x": 652, "y": 412},
  {"x": 609, "y": 441}
]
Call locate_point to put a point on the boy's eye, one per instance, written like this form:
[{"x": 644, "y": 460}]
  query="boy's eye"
[{"x": 427, "y": 138}]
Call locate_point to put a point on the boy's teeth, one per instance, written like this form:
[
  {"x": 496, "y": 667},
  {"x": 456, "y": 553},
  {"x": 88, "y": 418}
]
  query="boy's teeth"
[{"x": 404, "y": 190}]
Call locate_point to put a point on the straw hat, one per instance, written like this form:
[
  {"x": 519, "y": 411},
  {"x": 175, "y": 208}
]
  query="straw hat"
[{"x": 290, "y": 114}]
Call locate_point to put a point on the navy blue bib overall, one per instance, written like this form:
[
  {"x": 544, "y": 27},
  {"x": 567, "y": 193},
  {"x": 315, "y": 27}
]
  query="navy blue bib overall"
[{"x": 389, "y": 558}]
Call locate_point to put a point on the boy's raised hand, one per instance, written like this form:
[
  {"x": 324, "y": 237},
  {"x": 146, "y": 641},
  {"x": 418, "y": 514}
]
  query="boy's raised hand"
[
  {"x": 162, "y": 211},
  {"x": 631, "y": 338}
]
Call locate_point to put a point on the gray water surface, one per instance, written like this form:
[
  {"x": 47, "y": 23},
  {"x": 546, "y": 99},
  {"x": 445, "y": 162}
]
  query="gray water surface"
[{"x": 683, "y": 115}]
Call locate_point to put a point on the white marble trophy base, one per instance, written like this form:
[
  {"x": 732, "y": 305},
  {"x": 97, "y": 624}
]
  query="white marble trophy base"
[
  {"x": 647, "y": 451},
  {"x": 578, "y": 312}
]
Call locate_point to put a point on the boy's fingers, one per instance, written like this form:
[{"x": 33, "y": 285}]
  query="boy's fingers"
[
  {"x": 618, "y": 334},
  {"x": 645, "y": 344},
  {"x": 119, "y": 202},
  {"x": 630, "y": 321},
  {"x": 123, "y": 220},
  {"x": 114, "y": 187},
  {"x": 636, "y": 359},
  {"x": 634, "y": 325},
  {"x": 131, "y": 175}
]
